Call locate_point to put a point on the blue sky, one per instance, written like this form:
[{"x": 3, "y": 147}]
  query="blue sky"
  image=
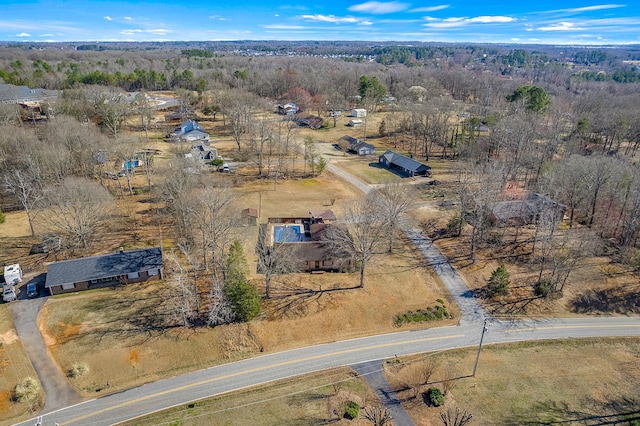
[{"x": 538, "y": 22}]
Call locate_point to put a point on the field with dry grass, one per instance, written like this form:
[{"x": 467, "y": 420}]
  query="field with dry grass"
[
  {"x": 14, "y": 367},
  {"x": 555, "y": 382}
]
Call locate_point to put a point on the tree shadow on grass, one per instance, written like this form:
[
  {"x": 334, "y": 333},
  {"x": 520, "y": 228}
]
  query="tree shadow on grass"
[
  {"x": 625, "y": 300},
  {"x": 292, "y": 301},
  {"x": 622, "y": 411}
]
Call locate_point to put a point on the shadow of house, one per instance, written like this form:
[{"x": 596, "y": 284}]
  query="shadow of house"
[
  {"x": 123, "y": 267},
  {"x": 406, "y": 165},
  {"x": 528, "y": 210}
]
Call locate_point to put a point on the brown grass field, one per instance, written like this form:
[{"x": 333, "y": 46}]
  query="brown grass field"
[{"x": 120, "y": 333}]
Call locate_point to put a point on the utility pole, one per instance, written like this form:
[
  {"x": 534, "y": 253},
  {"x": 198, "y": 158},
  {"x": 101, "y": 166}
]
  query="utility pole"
[{"x": 484, "y": 330}]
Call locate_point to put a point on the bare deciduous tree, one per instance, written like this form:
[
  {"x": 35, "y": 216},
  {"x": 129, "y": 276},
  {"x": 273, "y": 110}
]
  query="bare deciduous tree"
[
  {"x": 363, "y": 232},
  {"x": 455, "y": 417},
  {"x": 77, "y": 208},
  {"x": 26, "y": 185},
  {"x": 395, "y": 199},
  {"x": 275, "y": 258},
  {"x": 378, "y": 415}
]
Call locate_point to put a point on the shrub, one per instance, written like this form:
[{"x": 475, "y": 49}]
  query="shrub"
[
  {"x": 78, "y": 370},
  {"x": 217, "y": 162},
  {"x": 138, "y": 191},
  {"x": 543, "y": 288},
  {"x": 431, "y": 313},
  {"x": 27, "y": 390},
  {"x": 454, "y": 226},
  {"x": 351, "y": 410},
  {"x": 2, "y": 217},
  {"x": 435, "y": 397}
]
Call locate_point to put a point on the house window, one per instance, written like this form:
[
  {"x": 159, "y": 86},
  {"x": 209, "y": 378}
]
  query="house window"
[
  {"x": 133, "y": 275},
  {"x": 153, "y": 272},
  {"x": 94, "y": 281},
  {"x": 68, "y": 286},
  {"x": 317, "y": 264}
]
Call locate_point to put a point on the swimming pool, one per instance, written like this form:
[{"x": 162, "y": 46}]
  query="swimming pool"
[{"x": 287, "y": 234}]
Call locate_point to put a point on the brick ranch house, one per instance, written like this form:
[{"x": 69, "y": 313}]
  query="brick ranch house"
[
  {"x": 309, "y": 236},
  {"x": 123, "y": 267}
]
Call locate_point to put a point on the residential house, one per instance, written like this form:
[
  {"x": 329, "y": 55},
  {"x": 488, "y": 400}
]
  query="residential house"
[
  {"x": 358, "y": 112},
  {"x": 202, "y": 152},
  {"x": 190, "y": 131},
  {"x": 404, "y": 164},
  {"x": 527, "y": 210},
  {"x": 11, "y": 94},
  {"x": 123, "y": 267},
  {"x": 309, "y": 234},
  {"x": 312, "y": 121},
  {"x": 358, "y": 146},
  {"x": 288, "y": 109}
]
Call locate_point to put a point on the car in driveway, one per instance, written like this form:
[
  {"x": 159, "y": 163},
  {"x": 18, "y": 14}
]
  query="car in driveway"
[
  {"x": 8, "y": 293},
  {"x": 32, "y": 290}
]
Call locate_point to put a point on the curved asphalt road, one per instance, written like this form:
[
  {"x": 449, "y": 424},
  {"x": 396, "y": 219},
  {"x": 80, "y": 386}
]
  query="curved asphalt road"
[{"x": 225, "y": 378}]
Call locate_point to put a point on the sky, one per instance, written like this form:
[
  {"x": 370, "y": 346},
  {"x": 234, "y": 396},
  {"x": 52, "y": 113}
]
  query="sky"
[{"x": 517, "y": 21}]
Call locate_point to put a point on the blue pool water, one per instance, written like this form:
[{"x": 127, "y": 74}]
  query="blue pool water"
[{"x": 286, "y": 234}]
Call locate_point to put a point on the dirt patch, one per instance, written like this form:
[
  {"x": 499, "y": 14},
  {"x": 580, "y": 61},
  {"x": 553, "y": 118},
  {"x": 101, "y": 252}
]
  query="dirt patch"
[{"x": 8, "y": 338}]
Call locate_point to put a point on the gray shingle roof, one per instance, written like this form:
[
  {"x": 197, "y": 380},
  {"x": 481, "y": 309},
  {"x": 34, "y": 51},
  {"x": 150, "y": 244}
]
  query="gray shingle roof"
[
  {"x": 103, "y": 266},
  {"x": 404, "y": 162}
]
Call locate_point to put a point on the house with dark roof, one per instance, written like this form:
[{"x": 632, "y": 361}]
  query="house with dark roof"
[
  {"x": 190, "y": 131},
  {"x": 123, "y": 267},
  {"x": 288, "y": 109},
  {"x": 11, "y": 94},
  {"x": 358, "y": 146},
  {"x": 404, "y": 164},
  {"x": 311, "y": 121}
]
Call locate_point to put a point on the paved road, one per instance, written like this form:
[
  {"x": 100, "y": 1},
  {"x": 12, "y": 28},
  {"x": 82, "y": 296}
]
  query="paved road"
[{"x": 225, "y": 378}]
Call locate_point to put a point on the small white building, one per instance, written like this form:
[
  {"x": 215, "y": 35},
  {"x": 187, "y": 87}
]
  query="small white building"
[
  {"x": 355, "y": 123},
  {"x": 359, "y": 112}
]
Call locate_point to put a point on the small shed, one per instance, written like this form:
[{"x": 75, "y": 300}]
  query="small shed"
[
  {"x": 355, "y": 123},
  {"x": 249, "y": 217},
  {"x": 358, "y": 112}
]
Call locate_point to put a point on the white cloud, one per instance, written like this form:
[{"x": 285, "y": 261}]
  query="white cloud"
[
  {"x": 108, "y": 18},
  {"x": 561, "y": 26},
  {"x": 592, "y": 8},
  {"x": 283, "y": 27},
  {"x": 492, "y": 19},
  {"x": 276, "y": 15},
  {"x": 378, "y": 7},
  {"x": 459, "y": 22},
  {"x": 218, "y": 17},
  {"x": 159, "y": 31},
  {"x": 23, "y": 35},
  {"x": 128, "y": 18},
  {"x": 332, "y": 18},
  {"x": 430, "y": 8}
]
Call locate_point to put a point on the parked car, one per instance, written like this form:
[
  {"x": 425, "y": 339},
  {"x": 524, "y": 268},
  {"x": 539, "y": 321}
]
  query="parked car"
[
  {"x": 224, "y": 168},
  {"x": 32, "y": 290},
  {"x": 9, "y": 293}
]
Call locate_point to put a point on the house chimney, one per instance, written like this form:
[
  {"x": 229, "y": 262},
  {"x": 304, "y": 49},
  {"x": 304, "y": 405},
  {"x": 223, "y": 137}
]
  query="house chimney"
[{"x": 121, "y": 249}]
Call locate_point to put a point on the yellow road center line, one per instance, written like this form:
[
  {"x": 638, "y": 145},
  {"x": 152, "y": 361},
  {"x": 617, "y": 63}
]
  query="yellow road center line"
[{"x": 253, "y": 370}]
